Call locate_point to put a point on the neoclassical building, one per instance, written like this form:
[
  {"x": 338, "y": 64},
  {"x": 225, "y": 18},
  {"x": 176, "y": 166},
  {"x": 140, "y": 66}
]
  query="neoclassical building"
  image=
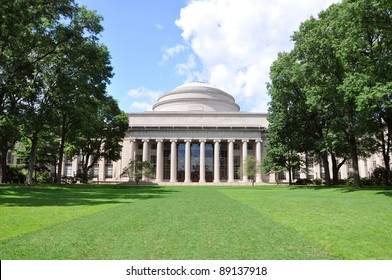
[{"x": 196, "y": 134}]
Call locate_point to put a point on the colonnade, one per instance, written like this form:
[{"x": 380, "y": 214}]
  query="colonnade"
[{"x": 202, "y": 171}]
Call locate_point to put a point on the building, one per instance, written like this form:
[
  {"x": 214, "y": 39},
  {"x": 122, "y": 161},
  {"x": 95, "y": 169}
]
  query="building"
[{"x": 196, "y": 134}]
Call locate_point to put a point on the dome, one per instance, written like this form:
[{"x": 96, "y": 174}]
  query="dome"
[{"x": 196, "y": 96}]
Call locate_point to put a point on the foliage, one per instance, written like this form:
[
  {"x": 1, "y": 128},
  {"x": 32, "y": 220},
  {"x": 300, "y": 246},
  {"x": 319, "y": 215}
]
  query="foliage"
[
  {"x": 303, "y": 181},
  {"x": 250, "y": 167},
  {"x": 137, "y": 170},
  {"x": 317, "y": 181},
  {"x": 380, "y": 176},
  {"x": 100, "y": 135},
  {"x": 53, "y": 71},
  {"x": 334, "y": 88},
  {"x": 15, "y": 174}
]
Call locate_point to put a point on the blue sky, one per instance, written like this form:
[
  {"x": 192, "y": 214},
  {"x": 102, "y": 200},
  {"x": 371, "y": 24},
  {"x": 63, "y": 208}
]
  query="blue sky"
[{"x": 157, "y": 45}]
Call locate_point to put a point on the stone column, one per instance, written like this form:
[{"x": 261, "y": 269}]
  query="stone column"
[
  {"x": 258, "y": 161},
  {"x": 230, "y": 163},
  {"x": 216, "y": 162},
  {"x": 173, "y": 161},
  {"x": 202, "y": 176},
  {"x": 159, "y": 171},
  {"x": 145, "y": 155},
  {"x": 187, "y": 178},
  {"x": 244, "y": 156},
  {"x": 132, "y": 150}
]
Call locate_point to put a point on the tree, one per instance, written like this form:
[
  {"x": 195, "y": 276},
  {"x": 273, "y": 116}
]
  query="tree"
[
  {"x": 136, "y": 169},
  {"x": 334, "y": 78},
  {"x": 49, "y": 57},
  {"x": 289, "y": 120},
  {"x": 251, "y": 168},
  {"x": 100, "y": 134}
]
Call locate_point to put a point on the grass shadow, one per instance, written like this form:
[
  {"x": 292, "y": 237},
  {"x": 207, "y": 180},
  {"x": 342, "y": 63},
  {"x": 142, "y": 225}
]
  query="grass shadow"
[
  {"x": 383, "y": 190},
  {"x": 73, "y": 195}
]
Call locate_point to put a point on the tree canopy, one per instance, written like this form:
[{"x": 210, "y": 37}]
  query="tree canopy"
[
  {"x": 331, "y": 95},
  {"x": 53, "y": 78}
]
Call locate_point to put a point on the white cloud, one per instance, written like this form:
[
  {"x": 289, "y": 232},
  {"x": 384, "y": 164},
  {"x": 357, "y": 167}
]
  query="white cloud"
[
  {"x": 171, "y": 52},
  {"x": 159, "y": 26},
  {"x": 143, "y": 98},
  {"x": 236, "y": 42}
]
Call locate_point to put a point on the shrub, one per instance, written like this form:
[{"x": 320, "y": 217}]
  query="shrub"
[
  {"x": 380, "y": 176},
  {"x": 317, "y": 181},
  {"x": 350, "y": 182},
  {"x": 15, "y": 174},
  {"x": 367, "y": 182},
  {"x": 301, "y": 181}
]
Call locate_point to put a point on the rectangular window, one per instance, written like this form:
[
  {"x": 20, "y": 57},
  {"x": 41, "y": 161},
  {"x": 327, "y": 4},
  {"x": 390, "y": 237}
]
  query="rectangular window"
[
  {"x": 282, "y": 175},
  {"x": 154, "y": 163},
  {"x": 95, "y": 170},
  {"x": 108, "y": 169},
  {"x": 237, "y": 165},
  {"x": 68, "y": 167}
]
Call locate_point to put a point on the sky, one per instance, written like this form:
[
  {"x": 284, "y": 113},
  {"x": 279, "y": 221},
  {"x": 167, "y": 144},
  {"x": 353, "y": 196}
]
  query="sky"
[{"x": 157, "y": 45}]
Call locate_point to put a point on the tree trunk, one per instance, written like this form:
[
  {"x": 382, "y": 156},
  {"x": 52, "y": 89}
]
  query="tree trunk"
[
  {"x": 61, "y": 152},
  {"x": 3, "y": 163},
  {"x": 306, "y": 165},
  {"x": 289, "y": 169},
  {"x": 335, "y": 169},
  {"x": 354, "y": 158},
  {"x": 327, "y": 176},
  {"x": 386, "y": 147},
  {"x": 33, "y": 152}
]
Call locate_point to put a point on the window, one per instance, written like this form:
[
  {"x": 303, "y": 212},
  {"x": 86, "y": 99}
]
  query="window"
[
  {"x": 108, "y": 169},
  {"x": 68, "y": 167},
  {"x": 95, "y": 170},
  {"x": 282, "y": 175},
  {"x": 154, "y": 163},
  {"x": 237, "y": 164}
]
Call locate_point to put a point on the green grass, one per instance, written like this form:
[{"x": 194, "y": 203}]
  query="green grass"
[{"x": 151, "y": 222}]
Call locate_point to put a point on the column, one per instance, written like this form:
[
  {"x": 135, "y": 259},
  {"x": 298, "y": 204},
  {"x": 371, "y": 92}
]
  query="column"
[
  {"x": 173, "y": 161},
  {"x": 202, "y": 161},
  {"x": 187, "y": 178},
  {"x": 159, "y": 171},
  {"x": 132, "y": 150},
  {"x": 244, "y": 156},
  {"x": 258, "y": 161},
  {"x": 145, "y": 154},
  {"x": 230, "y": 164},
  {"x": 216, "y": 162}
]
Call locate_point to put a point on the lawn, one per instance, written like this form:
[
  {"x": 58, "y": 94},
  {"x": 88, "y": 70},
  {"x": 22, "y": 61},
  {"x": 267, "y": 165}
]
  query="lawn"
[{"x": 151, "y": 222}]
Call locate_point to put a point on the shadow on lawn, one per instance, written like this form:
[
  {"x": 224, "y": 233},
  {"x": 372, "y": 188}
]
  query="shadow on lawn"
[
  {"x": 74, "y": 195},
  {"x": 387, "y": 191}
]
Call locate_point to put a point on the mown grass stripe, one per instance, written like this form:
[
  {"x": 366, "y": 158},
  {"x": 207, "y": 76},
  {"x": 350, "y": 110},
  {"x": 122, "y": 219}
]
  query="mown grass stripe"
[{"x": 185, "y": 223}]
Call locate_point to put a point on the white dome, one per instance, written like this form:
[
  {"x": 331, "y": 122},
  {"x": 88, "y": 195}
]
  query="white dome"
[{"x": 196, "y": 96}]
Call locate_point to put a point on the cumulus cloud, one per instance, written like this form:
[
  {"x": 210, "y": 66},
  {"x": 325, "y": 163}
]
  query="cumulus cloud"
[
  {"x": 236, "y": 42},
  {"x": 143, "y": 98}
]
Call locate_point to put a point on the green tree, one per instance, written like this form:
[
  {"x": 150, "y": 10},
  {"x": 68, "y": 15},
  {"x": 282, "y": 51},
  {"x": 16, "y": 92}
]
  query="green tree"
[
  {"x": 251, "y": 168},
  {"x": 137, "y": 169},
  {"x": 100, "y": 134},
  {"x": 290, "y": 123}
]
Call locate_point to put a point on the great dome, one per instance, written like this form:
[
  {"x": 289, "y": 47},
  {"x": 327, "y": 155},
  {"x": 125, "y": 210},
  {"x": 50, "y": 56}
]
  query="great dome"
[{"x": 196, "y": 96}]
